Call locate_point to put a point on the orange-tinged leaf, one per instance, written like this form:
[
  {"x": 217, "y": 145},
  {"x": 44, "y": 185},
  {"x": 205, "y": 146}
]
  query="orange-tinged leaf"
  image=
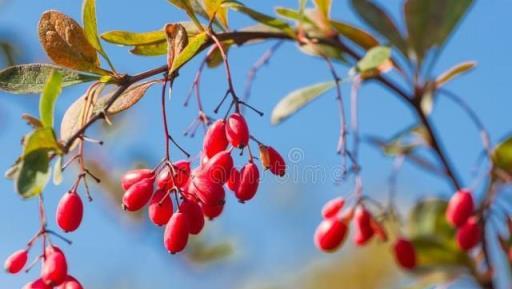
[
  {"x": 177, "y": 40},
  {"x": 127, "y": 99},
  {"x": 455, "y": 71}
]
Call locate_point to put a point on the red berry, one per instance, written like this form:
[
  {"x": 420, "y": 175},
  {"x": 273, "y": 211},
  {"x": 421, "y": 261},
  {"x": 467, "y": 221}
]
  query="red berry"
[
  {"x": 469, "y": 234},
  {"x": 70, "y": 283},
  {"x": 277, "y": 165},
  {"x": 181, "y": 168},
  {"x": 70, "y": 212},
  {"x": 194, "y": 215},
  {"x": 55, "y": 267},
  {"x": 330, "y": 234},
  {"x": 364, "y": 230},
  {"x": 37, "y": 284},
  {"x": 218, "y": 168},
  {"x": 215, "y": 139},
  {"x": 16, "y": 261},
  {"x": 233, "y": 180},
  {"x": 134, "y": 176},
  {"x": 138, "y": 195},
  {"x": 333, "y": 207},
  {"x": 176, "y": 233},
  {"x": 160, "y": 208},
  {"x": 460, "y": 208},
  {"x": 237, "y": 131},
  {"x": 405, "y": 254},
  {"x": 249, "y": 181},
  {"x": 212, "y": 211},
  {"x": 207, "y": 191}
]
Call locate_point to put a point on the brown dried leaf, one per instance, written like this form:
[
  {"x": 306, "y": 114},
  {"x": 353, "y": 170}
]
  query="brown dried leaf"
[
  {"x": 126, "y": 100},
  {"x": 65, "y": 43},
  {"x": 177, "y": 40}
]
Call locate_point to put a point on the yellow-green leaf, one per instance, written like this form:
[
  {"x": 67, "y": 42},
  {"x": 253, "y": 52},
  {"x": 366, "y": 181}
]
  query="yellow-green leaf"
[
  {"x": 356, "y": 35},
  {"x": 298, "y": 99},
  {"x": 324, "y": 6},
  {"x": 57, "y": 171},
  {"x": 455, "y": 71},
  {"x": 214, "y": 8},
  {"x": 195, "y": 44},
  {"x": 65, "y": 43},
  {"x": 154, "y": 49},
  {"x": 502, "y": 155},
  {"x": 91, "y": 27},
  {"x": 33, "y": 174},
  {"x": 374, "y": 58},
  {"x": 42, "y": 138},
  {"x": 49, "y": 97},
  {"x": 133, "y": 38}
]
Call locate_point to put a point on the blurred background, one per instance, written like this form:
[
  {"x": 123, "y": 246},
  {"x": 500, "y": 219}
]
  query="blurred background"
[{"x": 265, "y": 243}]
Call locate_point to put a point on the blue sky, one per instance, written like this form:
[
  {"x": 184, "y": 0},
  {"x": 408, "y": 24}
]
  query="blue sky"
[{"x": 107, "y": 244}]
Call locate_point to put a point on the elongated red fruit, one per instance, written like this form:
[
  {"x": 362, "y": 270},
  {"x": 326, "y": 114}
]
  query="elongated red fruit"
[
  {"x": 160, "y": 208},
  {"x": 176, "y": 233},
  {"x": 134, "y": 176},
  {"x": 194, "y": 215},
  {"x": 70, "y": 283},
  {"x": 460, "y": 208},
  {"x": 233, "y": 180},
  {"x": 330, "y": 234},
  {"x": 215, "y": 139},
  {"x": 212, "y": 211},
  {"x": 70, "y": 212},
  {"x": 364, "y": 230},
  {"x": 405, "y": 254},
  {"x": 277, "y": 165},
  {"x": 209, "y": 192},
  {"x": 16, "y": 261},
  {"x": 138, "y": 195},
  {"x": 55, "y": 266},
  {"x": 469, "y": 234},
  {"x": 218, "y": 168},
  {"x": 37, "y": 284},
  {"x": 333, "y": 207},
  {"x": 249, "y": 181},
  {"x": 237, "y": 131},
  {"x": 182, "y": 172}
]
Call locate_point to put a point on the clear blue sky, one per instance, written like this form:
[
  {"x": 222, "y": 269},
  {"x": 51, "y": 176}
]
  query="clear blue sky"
[{"x": 106, "y": 251}]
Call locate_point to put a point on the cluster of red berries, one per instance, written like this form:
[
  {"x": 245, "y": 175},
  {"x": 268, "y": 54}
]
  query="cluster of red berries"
[
  {"x": 198, "y": 192},
  {"x": 54, "y": 271},
  {"x": 461, "y": 214},
  {"x": 332, "y": 231}
]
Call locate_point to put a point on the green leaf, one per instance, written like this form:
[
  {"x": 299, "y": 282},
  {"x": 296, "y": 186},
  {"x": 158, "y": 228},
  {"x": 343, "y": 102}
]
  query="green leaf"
[
  {"x": 48, "y": 98},
  {"x": 57, "y": 171},
  {"x": 127, "y": 99},
  {"x": 154, "y": 49},
  {"x": 430, "y": 22},
  {"x": 454, "y": 72},
  {"x": 189, "y": 8},
  {"x": 356, "y": 35},
  {"x": 214, "y": 8},
  {"x": 34, "y": 173},
  {"x": 294, "y": 15},
  {"x": 298, "y": 99},
  {"x": 133, "y": 38},
  {"x": 431, "y": 253},
  {"x": 324, "y": 6},
  {"x": 40, "y": 139},
  {"x": 91, "y": 27},
  {"x": 260, "y": 17},
  {"x": 195, "y": 44},
  {"x": 381, "y": 22},
  {"x": 373, "y": 59},
  {"x": 502, "y": 155},
  {"x": 31, "y": 78}
]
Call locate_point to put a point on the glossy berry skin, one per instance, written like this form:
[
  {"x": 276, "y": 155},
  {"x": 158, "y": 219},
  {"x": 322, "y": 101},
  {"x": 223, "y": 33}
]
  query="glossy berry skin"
[
  {"x": 134, "y": 176},
  {"x": 176, "y": 233},
  {"x": 233, "y": 180},
  {"x": 165, "y": 181},
  {"x": 55, "y": 267},
  {"x": 469, "y": 234},
  {"x": 460, "y": 208},
  {"x": 138, "y": 195},
  {"x": 362, "y": 222},
  {"x": 333, "y": 207},
  {"x": 160, "y": 208},
  {"x": 237, "y": 131},
  {"x": 215, "y": 139},
  {"x": 249, "y": 181},
  {"x": 207, "y": 191},
  {"x": 16, "y": 261},
  {"x": 330, "y": 234},
  {"x": 405, "y": 254},
  {"x": 70, "y": 212},
  {"x": 277, "y": 165},
  {"x": 212, "y": 212},
  {"x": 70, "y": 283},
  {"x": 218, "y": 168},
  {"x": 37, "y": 284},
  {"x": 194, "y": 215}
]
